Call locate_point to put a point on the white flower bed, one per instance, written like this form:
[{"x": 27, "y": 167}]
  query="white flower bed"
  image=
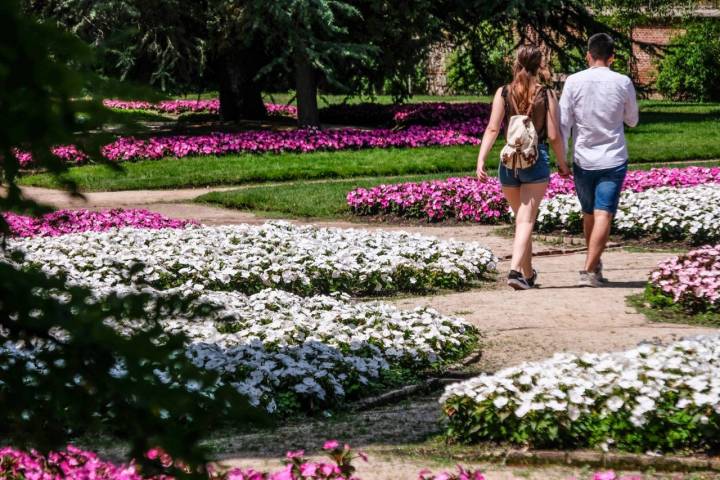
[
  {"x": 317, "y": 347},
  {"x": 290, "y": 352},
  {"x": 282, "y": 350},
  {"x": 245, "y": 258},
  {"x": 650, "y": 397},
  {"x": 670, "y": 213}
]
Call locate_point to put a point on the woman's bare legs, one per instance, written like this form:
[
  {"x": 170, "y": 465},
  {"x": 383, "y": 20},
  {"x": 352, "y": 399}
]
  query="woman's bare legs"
[{"x": 524, "y": 202}]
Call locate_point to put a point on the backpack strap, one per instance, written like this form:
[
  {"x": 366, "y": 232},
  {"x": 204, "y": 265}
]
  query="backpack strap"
[{"x": 538, "y": 91}]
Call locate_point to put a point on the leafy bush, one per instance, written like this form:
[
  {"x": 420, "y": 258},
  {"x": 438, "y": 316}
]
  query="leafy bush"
[{"x": 691, "y": 68}]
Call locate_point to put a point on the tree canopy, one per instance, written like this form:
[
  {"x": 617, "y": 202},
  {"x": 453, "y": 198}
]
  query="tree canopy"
[{"x": 349, "y": 46}]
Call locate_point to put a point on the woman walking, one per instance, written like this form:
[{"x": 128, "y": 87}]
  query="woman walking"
[{"x": 531, "y": 117}]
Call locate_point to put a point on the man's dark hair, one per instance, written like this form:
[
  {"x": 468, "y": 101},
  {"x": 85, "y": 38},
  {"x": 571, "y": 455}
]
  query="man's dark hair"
[{"x": 601, "y": 46}]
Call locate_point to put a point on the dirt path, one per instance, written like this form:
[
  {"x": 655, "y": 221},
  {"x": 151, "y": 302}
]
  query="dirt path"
[
  {"x": 383, "y": 467},
  {"x": 559, "y": 316}
]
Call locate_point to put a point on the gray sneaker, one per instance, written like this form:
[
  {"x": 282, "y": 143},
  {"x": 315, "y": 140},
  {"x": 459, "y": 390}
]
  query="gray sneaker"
[
  {"x": 599, "y": 273},
  {"x": 590, "y": 279}
]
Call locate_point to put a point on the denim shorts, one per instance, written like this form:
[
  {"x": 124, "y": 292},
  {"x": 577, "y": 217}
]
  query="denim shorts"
[
  {"x": 538, "y": 173},
  {"x": 599, "y": 189}
]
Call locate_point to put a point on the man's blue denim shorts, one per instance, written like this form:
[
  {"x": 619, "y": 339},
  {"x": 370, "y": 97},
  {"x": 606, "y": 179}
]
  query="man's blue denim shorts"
[
  {"x": 538, "y": 173},
  {"x": 599, "y": 189}
]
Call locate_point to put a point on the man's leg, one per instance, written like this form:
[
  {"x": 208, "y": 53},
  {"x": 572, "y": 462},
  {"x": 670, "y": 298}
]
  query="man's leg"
[
  {"x": 598, "y": 237},
  {"x": 607, "y": 197}
]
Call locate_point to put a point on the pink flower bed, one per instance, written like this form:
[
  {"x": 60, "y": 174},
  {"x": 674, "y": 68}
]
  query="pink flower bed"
[
  {"x": 68, "y": 153},
  {"x": 691, "y": 280},
  {"x": 77, "y": 464},
  {"x": 263, "y": 141},
  {"x": 468, "y": 199},
  {"x": 176, "y": 107},
  {"x": 431, "y": 124},
  {"x": 62, "y": 222},
  {"x": 73, "y": 463}
]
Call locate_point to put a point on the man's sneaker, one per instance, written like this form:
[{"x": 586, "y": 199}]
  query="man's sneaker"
[
  {"x": 517, "y": 281},
  {"x": 599, "y": 273},
  {"x": 590, "y": 279},
  {"x": 531, "y": 281}
]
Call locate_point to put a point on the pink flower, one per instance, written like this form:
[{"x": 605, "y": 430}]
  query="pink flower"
[
  {"x": 331, "y": 445},
  {"x": 153, "y": 453},
  {"x": 308, "y": 469},
  {"x": 609, "y": 475},
  {"x": 295, "y": 454}
]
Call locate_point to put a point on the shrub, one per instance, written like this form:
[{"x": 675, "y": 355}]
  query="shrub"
[
  {"x": 691, "y": 68},
  {"x": 691, "y": 281}
]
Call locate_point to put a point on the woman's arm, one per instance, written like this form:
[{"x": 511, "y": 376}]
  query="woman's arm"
[
  {"x": 491, "y": 133},
  {"x": 555, "y": 137}
]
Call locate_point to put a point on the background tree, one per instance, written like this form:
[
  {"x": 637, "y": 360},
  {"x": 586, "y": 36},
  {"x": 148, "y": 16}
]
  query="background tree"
[
  {"x": 690, "y": 70},
  {"x": 308, "y": 38},
  {"x": 73, "y": 362}
]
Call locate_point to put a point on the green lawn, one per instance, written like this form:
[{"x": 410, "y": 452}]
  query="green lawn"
[
  {"x": 249, "y": 168},
  {"x": 668, "y": 132},
  {"x": 305, "y": 199},
  {"x": 317, "y": 199}
]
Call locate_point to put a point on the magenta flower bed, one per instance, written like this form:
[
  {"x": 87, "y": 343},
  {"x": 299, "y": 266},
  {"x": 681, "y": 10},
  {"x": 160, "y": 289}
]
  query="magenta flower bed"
[
  {"x": 129, "y": 148},
  {"x": 429, "y": 113},
  {"x": 77, "y": 464},
  {"x": 432, "y": 125},
  {"x": 62, "y": 222},
  {"x": 691, "y": 280},
  {"x": 68, "y": 153},
  {"x": 176, "y": 107},
  {"x": 72, "y": 463},
  {"x": 468, "y": 199}
]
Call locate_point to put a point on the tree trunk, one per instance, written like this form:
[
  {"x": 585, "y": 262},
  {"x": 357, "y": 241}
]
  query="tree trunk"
[
  {"x": 306, "y": 92},
  {"x": 240, "y": 95}
]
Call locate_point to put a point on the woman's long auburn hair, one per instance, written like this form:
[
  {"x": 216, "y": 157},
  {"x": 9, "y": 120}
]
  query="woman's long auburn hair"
[{"x": 528, "y": 62}]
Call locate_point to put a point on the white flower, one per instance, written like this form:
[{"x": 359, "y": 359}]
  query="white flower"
[
  {"x": 500, "y": 402},
  {"x": 614, "y": 403}
]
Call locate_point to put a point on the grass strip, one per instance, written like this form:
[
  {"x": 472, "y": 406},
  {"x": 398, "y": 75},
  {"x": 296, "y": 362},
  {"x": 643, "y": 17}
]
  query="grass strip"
[
  {"x": 305, "y": 199},
  {"x": 249, "y": 168},
  {"x": 318, "y": 199},
  {"x": 673, "y": 314}
]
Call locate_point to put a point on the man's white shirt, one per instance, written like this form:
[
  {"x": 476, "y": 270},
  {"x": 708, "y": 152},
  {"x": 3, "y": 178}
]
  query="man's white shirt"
[{"x": 594, "y": 105}]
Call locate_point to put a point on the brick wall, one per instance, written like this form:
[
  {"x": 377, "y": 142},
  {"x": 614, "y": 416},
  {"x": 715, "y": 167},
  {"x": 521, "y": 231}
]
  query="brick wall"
[{"x": 644, "y": 68}]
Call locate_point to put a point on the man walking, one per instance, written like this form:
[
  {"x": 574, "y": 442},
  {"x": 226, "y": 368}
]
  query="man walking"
[{"x": 594, "y": 105}]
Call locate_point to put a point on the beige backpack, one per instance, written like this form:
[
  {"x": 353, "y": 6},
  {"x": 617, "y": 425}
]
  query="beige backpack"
[{"x": 521, "y": 149}]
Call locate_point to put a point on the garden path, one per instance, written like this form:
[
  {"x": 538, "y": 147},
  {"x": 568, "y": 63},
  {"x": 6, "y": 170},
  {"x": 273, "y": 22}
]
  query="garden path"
[{"x": 518, "y": 326}]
